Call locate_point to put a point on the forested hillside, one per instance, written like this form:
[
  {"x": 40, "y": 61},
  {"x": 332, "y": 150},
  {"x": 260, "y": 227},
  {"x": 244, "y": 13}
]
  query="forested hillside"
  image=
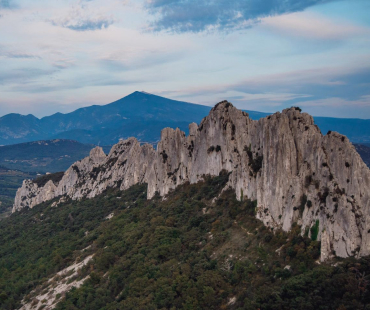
[
  {"x": 187, "y": 251},
  {"x": 10, "y": 181}
]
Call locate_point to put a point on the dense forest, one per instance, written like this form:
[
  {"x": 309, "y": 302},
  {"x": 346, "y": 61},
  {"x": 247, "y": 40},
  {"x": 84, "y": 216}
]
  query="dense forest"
[{"x": 199, "y": 248}]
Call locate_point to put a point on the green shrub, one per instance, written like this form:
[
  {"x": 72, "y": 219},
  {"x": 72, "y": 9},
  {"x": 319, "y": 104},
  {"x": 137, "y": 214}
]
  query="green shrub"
[{"x": 315, "y": 230}]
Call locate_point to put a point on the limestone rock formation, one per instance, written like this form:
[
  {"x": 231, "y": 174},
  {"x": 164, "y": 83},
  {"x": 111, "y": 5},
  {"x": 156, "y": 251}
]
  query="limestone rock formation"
[{"x": 283, "y": 161}]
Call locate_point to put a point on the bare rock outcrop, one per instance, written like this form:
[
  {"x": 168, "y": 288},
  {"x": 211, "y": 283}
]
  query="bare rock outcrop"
[{"x": 296, "y": 174}]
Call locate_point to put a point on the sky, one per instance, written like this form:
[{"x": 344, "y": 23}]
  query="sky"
[{"x": 60, "y": 55}]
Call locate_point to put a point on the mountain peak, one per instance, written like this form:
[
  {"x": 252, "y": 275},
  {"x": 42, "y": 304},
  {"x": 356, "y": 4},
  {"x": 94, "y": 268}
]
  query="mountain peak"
[
  {"x": 139, "y": 93},
  {"x": 222, "y": 105},
  {"x": 144, "y": 92}
]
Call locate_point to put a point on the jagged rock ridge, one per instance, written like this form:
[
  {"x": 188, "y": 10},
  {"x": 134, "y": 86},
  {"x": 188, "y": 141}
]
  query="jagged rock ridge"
[{"x": 283, "y": 161}]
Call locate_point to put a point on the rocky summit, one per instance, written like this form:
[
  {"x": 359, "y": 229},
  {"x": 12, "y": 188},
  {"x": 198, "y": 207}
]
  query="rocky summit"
[{"x": 283, "y": 161}]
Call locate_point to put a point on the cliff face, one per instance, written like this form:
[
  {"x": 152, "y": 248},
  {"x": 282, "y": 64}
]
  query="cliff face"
[{"x": 283, "y": 161}]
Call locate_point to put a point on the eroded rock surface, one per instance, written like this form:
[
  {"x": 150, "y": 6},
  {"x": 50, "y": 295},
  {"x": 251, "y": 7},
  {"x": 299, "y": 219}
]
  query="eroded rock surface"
[{"x": 283, "y": 161}]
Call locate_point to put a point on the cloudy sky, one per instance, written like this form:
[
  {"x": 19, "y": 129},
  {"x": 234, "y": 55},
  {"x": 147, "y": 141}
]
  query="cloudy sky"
[{"x": 56, "y": 56}]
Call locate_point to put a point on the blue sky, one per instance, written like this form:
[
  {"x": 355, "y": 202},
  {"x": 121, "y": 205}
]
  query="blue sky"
[{"x": 56, "y": 56}]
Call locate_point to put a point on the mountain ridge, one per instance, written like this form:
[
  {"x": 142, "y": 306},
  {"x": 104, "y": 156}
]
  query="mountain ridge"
[{"x": 283, "y": 161}]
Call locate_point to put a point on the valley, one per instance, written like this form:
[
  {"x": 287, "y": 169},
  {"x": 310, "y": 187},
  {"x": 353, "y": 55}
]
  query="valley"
[{"x": 43, "y": 156}]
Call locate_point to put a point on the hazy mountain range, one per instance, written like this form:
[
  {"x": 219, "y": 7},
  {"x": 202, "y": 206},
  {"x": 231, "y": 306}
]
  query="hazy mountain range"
[{"x": 141, "y": 115}]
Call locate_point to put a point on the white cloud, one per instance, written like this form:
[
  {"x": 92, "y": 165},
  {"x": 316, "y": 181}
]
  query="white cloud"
[
  {"x": 312, "y": 26},
  {"x": 83, "y": 17},
  {"x": 363, "y": 101}
]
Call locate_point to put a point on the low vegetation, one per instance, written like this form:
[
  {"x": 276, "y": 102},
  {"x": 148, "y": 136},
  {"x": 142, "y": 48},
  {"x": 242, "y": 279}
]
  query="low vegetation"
[{"x": 185, "y": 252}]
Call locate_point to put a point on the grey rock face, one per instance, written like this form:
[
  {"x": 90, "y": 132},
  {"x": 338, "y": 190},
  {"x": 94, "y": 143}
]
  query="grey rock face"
[{"x": 283, "y": 161}]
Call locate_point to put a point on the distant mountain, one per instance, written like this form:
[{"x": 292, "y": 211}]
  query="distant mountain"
[
  {"x": 356, "y": 130},
  {"x": 43, "y": 156},
  {"x": 16, "y": 128},
  {"x": 140, "y": 115}
]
